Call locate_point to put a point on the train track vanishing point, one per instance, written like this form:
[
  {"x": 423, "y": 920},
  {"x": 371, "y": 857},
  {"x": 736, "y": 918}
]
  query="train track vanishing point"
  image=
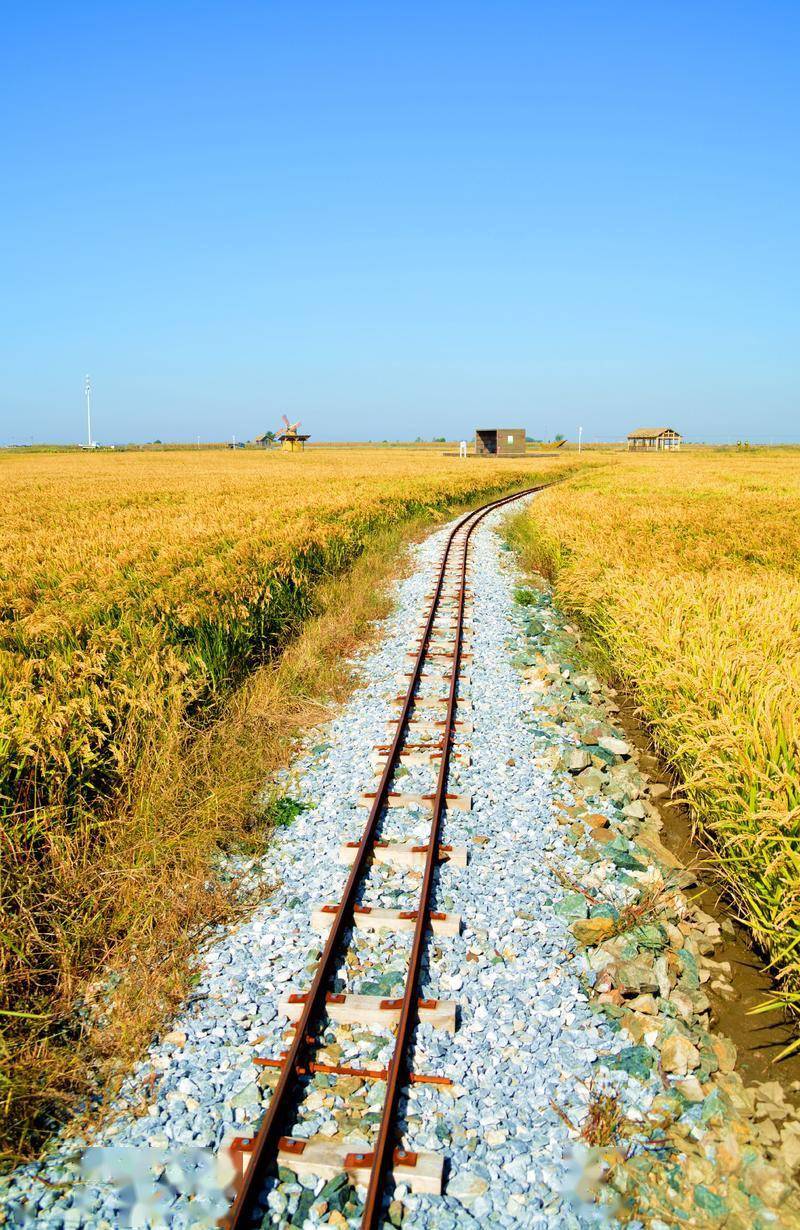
[{"x": 259, "y": 1155}]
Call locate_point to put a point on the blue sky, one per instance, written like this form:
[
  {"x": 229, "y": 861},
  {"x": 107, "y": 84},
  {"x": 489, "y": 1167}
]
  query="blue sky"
[{"x": 399, "y": 220}]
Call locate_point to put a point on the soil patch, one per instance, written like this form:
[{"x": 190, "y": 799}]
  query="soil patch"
[{"x": 759, "y": 1039}]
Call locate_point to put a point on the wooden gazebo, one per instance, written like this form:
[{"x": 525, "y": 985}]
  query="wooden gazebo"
[{"x": 291, "y": 440}]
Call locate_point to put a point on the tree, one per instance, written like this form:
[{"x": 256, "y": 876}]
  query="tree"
[{"x": 557, "y": 438}]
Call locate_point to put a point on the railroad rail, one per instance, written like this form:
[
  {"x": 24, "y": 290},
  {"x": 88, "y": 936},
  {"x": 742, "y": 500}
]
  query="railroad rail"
[{"x": 270, "y": 1146}]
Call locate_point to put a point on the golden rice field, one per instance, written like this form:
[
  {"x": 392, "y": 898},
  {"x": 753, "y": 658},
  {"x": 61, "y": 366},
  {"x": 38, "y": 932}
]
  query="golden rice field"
[
  {"x": 131, "y": 584},
  {"x": 136, "y": 592},
  {"x": 686, "y": 570}
]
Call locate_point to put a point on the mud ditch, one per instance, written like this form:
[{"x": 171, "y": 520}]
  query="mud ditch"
[{"x": 759, "y": 1039}]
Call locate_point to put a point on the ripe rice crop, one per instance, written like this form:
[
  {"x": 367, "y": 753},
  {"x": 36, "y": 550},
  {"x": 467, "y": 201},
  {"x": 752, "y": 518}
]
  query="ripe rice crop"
[
  {"x": 136, "y": 592},
  {"x": 131, "y": 584},
  {"x": 685, "y": 569}
]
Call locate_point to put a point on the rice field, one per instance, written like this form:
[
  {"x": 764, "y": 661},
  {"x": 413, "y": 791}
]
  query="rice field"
[
  {"x": 685, "y": 569},
  {"x": 132, "y": 584},
  {"x": 137, "y": 592}
]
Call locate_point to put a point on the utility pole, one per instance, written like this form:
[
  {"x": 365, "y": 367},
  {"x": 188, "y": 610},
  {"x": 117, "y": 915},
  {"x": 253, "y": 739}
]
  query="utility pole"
[
  {"x": 88, "y": 411},
  {"x": 580, "y": 434}
]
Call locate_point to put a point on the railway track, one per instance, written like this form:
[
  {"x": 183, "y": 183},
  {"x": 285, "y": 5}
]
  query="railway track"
[{"x": 431, "y": 716}]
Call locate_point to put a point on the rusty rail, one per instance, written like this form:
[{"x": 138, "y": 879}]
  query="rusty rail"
[{"x": 297, "y": 1059}]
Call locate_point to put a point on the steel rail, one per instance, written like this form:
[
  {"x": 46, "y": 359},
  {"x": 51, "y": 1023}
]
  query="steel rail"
[
  {"x": 382, "y": 1152},
  {"x": 265, "y": 1146}
]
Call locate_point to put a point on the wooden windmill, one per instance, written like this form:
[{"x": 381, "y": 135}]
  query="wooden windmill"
[{"x": 290, "y": 437}]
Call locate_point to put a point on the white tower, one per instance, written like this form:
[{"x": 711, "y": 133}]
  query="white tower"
[{"x": 88, "y": 412}]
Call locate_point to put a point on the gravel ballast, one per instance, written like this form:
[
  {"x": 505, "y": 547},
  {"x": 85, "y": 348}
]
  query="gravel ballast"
[{"x": 528, "y": 1045}]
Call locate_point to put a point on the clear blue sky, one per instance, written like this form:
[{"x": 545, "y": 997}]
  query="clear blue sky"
[{"x": 400, "y": 220}]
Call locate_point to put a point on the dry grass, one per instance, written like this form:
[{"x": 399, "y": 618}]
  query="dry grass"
[
  {"x": 604, "y": 1123},
  {"x": 138, "y": 593},
  {"x": 146, "y": 874},
  {"x": 650, "y": 905},
  {"x": 685, "y": 569}
]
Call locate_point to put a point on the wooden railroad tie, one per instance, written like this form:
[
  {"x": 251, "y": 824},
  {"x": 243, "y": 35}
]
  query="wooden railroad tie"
[
  {"x": 440, "y": 654},
  {"x": 443, "y": 653},
  {"x": 368, "y": 1073},
  {"x": 463, "y": 685},
  {"x": 438, "y": 635},
  {"x": 404, "y": 854},
  {"x": 419, "y": 756},
  {"x": 375, "y": 918},
  {"x": 445, "y": 626},
  {"x": 445, "y": 620},
  {"x": 453, "y": 802},
  {"x": 420, "y": 726},
  {"x": 374, "y": 1010},
  {"x": 420, "y": 1172},
  {"x": 432, "y": 702},
  {"x": 444, "y": 671},
  {"x": 444, "y": 635}
]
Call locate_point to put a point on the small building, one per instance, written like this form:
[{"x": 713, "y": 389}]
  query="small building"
[
  {"x": 653, "y": 439},
  {"x": 266, "y": 441},
  {"x": 500, "y": 442}
]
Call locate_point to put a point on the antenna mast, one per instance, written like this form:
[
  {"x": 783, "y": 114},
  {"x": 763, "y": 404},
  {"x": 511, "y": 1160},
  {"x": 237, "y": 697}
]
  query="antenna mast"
[{"x": 88, "y": 411}]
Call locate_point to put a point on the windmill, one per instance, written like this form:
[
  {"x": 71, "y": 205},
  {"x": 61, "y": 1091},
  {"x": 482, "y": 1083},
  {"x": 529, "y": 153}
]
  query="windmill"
[
  {"x": 290, "y": 438},
  {"x": 291, "y": 428}
]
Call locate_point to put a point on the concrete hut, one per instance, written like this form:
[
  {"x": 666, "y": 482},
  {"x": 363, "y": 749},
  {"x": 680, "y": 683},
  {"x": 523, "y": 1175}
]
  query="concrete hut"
[
  {"x": 653, "y": 440},
  {"x": 500, "y": 442}
]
